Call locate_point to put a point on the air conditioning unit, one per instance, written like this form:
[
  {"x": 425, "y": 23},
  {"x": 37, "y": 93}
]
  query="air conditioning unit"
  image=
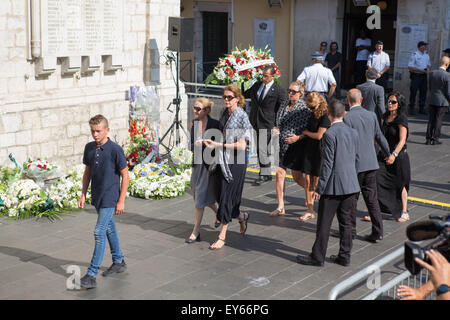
[
  {"x": 361, "y": 3},
  {"x": 275, "y": 3}
]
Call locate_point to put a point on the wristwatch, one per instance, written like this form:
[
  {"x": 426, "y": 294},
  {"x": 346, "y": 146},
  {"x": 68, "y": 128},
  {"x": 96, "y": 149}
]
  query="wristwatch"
[
  {"x": 443, "y": 288},
  {"x": 395, "y": 154}
]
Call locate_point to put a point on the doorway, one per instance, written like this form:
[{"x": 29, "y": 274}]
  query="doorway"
[
  {"x": 215, "y": 39},
  {"x": 355, "y": 19}
]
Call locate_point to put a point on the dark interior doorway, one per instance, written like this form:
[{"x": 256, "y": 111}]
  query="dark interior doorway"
[
  {"x": 215, "y": 39},
  {"x": 355, "y": 19}
]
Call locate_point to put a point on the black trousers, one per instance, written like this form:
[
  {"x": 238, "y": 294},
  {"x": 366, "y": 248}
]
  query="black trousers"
[
  {"x": 343, "y": 206},
  {"x": 360, "y": 71},
  {"x": 436, "y": 113},
  {"x": 382, "y": 81},
  {"x": 368, "y": 183},
  {"x": 263, "y": 145},
  {"x": 418, "y": 83}
]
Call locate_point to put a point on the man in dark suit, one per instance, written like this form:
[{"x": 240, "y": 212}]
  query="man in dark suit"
[
  {"x": 439, "y": 84},
  {"x": 373, "y": 94},
  {"x": 266, "y": 98},
  {"x": 337, "y": 188},
  {"x": 366, "y": 124}
]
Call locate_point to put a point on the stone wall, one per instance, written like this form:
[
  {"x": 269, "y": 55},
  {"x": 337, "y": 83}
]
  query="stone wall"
[{"x": 48, "y": 116}]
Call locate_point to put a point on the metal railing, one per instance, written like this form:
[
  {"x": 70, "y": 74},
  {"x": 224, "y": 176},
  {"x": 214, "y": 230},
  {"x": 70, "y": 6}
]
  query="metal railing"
[{"x": 388, "y": 291}]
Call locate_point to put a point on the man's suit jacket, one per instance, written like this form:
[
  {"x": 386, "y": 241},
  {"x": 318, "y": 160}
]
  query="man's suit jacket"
[
  {"x": 263, "y": 115},
  {"x": 373, "y": 98},
  {"x": 338, "y": 174},
  {"x": 366, "y": 124},
  {"x": 439, "y": 85}
]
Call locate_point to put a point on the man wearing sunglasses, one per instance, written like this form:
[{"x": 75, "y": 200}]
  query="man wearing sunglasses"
[{"x": 266, "y": 98}]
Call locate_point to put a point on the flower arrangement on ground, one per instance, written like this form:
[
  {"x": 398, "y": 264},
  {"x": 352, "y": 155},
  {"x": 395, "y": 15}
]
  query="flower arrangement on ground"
[
  {"x": 158, "y": 181},
  {"x": 242, "y": 66},
  {"x": 141, "y": 145},
  {"x": 40, "y": 169},
  {"x": 181, "y": 157}
]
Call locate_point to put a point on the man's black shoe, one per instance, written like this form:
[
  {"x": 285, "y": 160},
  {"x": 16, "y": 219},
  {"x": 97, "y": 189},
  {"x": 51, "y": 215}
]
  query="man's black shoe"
[
  {"x": 88, "y": 282},
  {"x": 262, "y": 179},
  {"x": 428, "y": 142},
  {"x": 339, "y": 260},
  {"x": 115, "y": 268},
  {"x": 308, "y": 261},
  {"x": 373, "y": 238},
  {"x": 432, "y": 142}
]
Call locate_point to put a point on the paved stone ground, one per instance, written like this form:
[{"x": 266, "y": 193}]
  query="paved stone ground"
[{"x": 34, "y": 255}]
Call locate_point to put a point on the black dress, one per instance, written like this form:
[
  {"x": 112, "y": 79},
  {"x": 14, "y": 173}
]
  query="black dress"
[
  {"x": 230, "y": 193},
  {"x": 391, "y": 179},
  {"x": 312, "y": 155}
]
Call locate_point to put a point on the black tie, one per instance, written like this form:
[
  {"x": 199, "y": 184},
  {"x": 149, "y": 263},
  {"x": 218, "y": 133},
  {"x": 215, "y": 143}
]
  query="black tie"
[{"x": 261, "y": 96}]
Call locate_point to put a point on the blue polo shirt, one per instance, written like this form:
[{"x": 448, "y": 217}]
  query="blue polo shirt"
[{"x": 105, "y": 163}]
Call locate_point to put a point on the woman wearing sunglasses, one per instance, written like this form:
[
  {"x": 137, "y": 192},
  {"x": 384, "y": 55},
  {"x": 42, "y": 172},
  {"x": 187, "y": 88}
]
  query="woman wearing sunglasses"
[
  {"x": 203, "y": 184},
  {"x": 394, "y": 175},
  {"x": 292, "y": 118},
  {"x": 231, "y": 156}
]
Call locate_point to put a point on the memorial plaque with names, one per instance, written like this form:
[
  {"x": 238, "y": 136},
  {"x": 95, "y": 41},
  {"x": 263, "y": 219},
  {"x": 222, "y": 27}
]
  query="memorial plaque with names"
[{"x": 82, "y": 27}]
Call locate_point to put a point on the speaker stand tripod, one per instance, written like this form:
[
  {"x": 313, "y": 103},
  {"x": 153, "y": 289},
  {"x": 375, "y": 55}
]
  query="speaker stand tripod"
[{"x": 174, "y": 129}]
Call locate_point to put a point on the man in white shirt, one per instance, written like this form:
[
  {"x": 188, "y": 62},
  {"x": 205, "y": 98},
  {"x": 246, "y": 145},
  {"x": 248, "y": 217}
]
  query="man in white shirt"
[
  {"x": 318, "y": 78},
  {"x": 419, "y": 65},
  {"x": 363, "y": 45},
  {"x": 379, "y": 60}
]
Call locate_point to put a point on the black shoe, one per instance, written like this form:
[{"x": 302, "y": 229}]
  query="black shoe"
[
  {"x": 373, "y": 238},
  {"x": 189, "y": 240},
  {"x": 308, "y": 261},
  {"x": 261, "y": 179},
  {"x": 88, "y": 282},
  {"x": 115, "y": 268},
  {"x": 428, "y": 142},
  {"x": 216, "y": 224},
  {"x": 339, "y": 260},
  {"x": 432, "y": 142}
]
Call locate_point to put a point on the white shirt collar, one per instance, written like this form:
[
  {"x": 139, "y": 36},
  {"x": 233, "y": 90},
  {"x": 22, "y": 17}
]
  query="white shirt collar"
[
  {"x": 443, "y": 68},
  {"x": 337, "y": 121}
]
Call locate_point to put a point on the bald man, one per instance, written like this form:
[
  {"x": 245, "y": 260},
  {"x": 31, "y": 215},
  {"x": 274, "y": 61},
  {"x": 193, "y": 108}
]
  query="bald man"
[
  {"x": 439, "y": 84},
  {"x": 366, "y": 124}
]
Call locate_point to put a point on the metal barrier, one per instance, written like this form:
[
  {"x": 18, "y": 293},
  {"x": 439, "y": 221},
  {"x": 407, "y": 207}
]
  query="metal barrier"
[{"x": 388, "y": 291}]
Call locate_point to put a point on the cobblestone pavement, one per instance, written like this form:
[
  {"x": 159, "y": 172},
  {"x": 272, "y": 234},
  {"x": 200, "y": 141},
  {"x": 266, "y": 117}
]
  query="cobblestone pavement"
[{"x": 35, "y": 255}]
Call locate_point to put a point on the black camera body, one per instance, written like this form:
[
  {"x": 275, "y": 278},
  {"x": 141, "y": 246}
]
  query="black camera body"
[{"x": 438, "y": 228}]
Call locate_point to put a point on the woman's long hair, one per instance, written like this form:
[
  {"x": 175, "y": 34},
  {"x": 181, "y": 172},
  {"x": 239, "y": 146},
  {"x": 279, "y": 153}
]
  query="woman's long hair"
[
  {"x": 237, "y": 93},
  {"x": 316, "y": 101},
  {"x": 401, "y": 103}
]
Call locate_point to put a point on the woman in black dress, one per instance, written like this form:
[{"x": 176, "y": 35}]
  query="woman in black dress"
[
  {"x": 232, "y": 160},
  {"x": 394, "y": 175},
  {"x": 291, "y": 121},
  {"x": 317, "y": 125},
  {"x": 203, "y": 184}
]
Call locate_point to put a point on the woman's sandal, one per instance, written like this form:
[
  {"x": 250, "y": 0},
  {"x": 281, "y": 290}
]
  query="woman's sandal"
[
  {"x": 404, "y": 217},
  {"x": 244, "y": 223},
  {"x": 307, "y": 216},
  {"x": 367, "y": 219},
  {"x": 215, "y": 242},
  {"x": 277, "y": 212}
]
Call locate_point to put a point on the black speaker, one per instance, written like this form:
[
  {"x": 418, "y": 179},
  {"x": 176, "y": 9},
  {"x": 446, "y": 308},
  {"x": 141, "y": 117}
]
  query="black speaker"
[{"x": 181, "y": 34}]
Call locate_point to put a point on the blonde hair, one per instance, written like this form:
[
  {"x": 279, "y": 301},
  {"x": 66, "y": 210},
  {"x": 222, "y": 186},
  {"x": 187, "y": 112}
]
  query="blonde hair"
[
  {"x": 318, "y": 102},
  {"x": 206, "y": 103},
  {"x": 300, "y": 85},
  {"x": 96, "y": 120},
  {"x": 237, "y": 93}
]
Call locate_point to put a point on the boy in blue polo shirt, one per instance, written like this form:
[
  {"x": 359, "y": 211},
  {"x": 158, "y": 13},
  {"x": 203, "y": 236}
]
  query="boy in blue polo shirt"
[{"x": 105, "y": 164}]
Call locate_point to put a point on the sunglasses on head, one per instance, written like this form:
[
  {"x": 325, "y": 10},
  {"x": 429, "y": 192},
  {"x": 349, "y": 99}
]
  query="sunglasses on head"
[
  {"x": 228, "y": 98},
  {"x": 392, "y": 101}
]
